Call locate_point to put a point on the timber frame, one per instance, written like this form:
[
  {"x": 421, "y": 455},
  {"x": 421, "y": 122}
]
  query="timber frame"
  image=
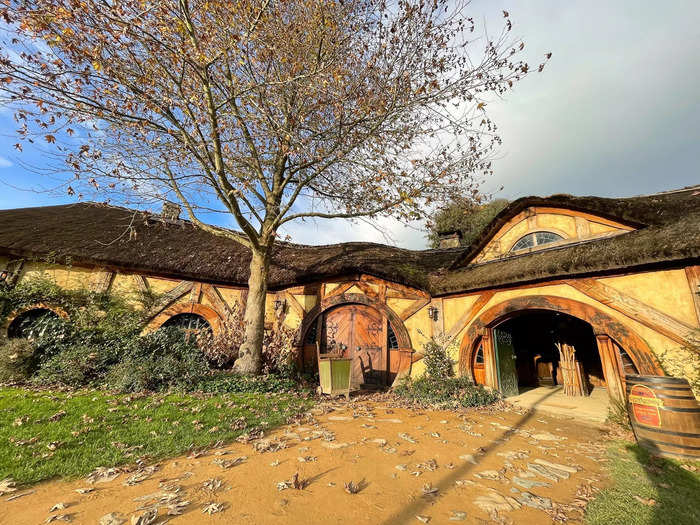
[{"x": 606, "y": 329}]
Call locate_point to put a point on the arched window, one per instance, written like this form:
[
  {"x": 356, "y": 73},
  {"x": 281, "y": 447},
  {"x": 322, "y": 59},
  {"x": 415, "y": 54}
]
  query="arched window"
[
  {"x": 311, "y": 334},
  {"x": 535, "y": 239},
  {"x": 392, "y": 341},
  {"x": 191, "y": 324},
  {"x": 32, "y": 323}
]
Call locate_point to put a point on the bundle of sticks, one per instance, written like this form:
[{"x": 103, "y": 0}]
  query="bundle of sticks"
[{"x": 573, "y": 378}]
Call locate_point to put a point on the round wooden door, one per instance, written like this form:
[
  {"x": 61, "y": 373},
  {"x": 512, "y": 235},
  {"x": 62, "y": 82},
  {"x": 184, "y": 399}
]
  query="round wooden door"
[{"x": 359, "y": 332}]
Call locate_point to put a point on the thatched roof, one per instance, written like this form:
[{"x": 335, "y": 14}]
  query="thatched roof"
[
  {"x": 109, "y": 235},
  {"x": 98, "y": 234}
]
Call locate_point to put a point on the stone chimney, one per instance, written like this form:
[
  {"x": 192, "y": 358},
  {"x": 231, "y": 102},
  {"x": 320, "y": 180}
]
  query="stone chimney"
[
  {"x": 450, "y": 239},
  {"x": 170, "y": 211}
]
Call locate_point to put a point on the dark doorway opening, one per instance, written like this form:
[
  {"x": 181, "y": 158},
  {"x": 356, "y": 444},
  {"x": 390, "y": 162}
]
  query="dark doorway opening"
[{"x": 543, "y": 348}]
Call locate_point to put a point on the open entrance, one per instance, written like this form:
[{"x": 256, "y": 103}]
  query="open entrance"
[{"x": 546, "y": 349}]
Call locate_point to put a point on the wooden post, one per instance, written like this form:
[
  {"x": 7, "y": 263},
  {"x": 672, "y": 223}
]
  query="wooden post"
[
  {"x": 489, "y": 359},
  {"x": 612, "y": 373}
]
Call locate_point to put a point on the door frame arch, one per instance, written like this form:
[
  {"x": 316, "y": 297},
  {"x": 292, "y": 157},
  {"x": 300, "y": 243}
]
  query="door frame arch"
[
  {"x": 405, "y": 354},
  {"x": 605, "y": 328}
]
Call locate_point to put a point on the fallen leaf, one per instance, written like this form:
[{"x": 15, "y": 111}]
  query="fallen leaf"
[
  {"x": 7, "y": 486},
  {"x": 212, "y": 508},
  {"x": 58, "y": 506},
  {"x": 113, "y": 518},
  {"x": 146, "y": 518},
  {"x": 351, "y": 487}
]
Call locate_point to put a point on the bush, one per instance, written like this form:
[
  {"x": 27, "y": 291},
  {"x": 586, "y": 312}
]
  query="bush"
[
  {"x": 229, "y": 383},
  {"x": 446, "y": 392},
  {"x": 437, "y": 361},
  {"x": 79, "y": 359},
  {"x": 160, "y": 360},
  {"x": 17, "y": 360}
]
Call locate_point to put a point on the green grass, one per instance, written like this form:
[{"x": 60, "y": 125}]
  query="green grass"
[
  {"x": 98, "y": 428},
  {"x": 675, "y": 491}
]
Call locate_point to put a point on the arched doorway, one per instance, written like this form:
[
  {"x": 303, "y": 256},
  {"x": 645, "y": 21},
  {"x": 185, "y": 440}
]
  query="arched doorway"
[
  {"x": 350, "y": 321},
  {"x": 543, "y": 348},
  {"x": 618, "y": 349}
]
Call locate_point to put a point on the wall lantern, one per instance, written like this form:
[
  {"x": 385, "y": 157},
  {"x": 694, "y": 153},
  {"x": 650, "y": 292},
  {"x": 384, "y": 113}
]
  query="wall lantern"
[
  {"x": 279, "y": 305},
  {"x": 4, "y": 274},
  {"x": 433, "y": 313}
]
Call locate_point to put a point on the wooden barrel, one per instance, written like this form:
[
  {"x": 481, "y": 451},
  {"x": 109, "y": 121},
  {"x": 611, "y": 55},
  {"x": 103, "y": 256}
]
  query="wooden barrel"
[{"x": 665, "y": 415}]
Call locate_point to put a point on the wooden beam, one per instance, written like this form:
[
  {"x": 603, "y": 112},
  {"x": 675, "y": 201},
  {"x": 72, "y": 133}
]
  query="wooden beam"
[
  {"x": 170, "y": 297},
  {"x": 141, "y": 283},
  {"x": 413, "y": 308},
  {"x": 469, "y": 314},
  {"x": 393, "y": 294},
  {"x": 295, "y": 305},
  {"x": 216, "y": 299},
  {"x": 643, "y": 313},
  {"x": 693, "y": 275},
  {"x": 367, "y": 289},
  {"x": 103, "y": 281},
  {"x": 338, "y": 290}
]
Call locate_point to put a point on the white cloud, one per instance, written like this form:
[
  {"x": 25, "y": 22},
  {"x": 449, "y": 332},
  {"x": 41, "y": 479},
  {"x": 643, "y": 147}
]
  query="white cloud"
[{"x": 4, "y": 163}]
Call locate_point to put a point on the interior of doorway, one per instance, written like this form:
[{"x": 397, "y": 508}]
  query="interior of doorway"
[{"x": 541, "y": 348}]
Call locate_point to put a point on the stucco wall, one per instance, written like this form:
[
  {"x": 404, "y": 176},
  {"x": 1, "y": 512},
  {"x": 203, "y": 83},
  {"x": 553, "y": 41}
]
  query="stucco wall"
[
  {"x": 665, "y": 291},
  {"x": 572, "y": 226}
]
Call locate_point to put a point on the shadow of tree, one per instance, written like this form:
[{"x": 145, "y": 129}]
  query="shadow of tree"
[{"x": 408, "y": 513}]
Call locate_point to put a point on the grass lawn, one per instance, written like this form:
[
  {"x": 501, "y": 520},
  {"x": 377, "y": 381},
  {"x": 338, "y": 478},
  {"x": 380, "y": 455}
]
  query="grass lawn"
[
  {"x": 68, "y": 434},
  {"x": 646, "y": 491}
]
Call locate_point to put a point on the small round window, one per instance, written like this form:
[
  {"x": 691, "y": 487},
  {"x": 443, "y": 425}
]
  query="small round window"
[
  {"x": 32, "y": 323},
  {"x": 535, "y": 239},
  {"x": 190, "y": 324}
]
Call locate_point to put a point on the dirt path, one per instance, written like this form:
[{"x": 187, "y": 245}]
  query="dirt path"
[{"x": 411, "y": 466}]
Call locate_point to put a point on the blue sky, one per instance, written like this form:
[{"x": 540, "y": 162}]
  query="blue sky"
[{"x": 616, "y": 112}]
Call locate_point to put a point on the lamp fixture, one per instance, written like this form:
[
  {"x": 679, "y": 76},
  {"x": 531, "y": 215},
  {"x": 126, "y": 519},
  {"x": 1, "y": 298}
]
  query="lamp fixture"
[
  {"x": 279, "y": 305},
  {"x": 4, "y": 274},
  {"x": 433, "y": 313}
]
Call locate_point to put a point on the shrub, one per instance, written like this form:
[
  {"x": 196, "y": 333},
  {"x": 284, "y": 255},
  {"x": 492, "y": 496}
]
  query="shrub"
[
  {"x": 277, "y": 351},
  {"x": 436, "y": 358},
  {"x": 160, "y": 360},
  {"x": 17, "y": 360},
  {"x": 446, "y": 392},
  {"x": 224, "y": 383},
  {"x": 78, "y": 359}
]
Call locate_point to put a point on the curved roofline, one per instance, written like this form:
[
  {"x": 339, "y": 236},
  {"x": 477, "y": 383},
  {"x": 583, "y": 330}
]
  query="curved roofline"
[{"x": 560, "y": 201}]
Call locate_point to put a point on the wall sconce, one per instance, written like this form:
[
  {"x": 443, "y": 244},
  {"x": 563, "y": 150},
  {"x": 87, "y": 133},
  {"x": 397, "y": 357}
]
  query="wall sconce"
[
  {"x": 279, "y": 305},
  {"x": 433, "y": 313}
]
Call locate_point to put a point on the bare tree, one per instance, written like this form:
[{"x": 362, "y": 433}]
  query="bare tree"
[{"x": 271, "y": 111}]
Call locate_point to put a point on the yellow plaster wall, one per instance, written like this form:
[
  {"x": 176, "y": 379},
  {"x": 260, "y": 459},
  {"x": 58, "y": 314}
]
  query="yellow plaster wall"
[
  {"x": 307, "y": 302},
  {"x": 671, "y": 299},
  {"x": 563, "y": 223},
  {"x": 667, "y": 291}
]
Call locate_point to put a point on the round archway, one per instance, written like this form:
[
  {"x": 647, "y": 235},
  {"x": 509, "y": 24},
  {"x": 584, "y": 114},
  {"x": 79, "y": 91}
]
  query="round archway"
[
  {"x": 189, "y": 316},
  {"x": 31, "y": 321},
  {"x": 620, "y": 349},
  {"x": 348, "y": 321}
]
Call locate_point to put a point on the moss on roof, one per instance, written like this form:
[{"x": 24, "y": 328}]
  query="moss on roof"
[{"x": 669, "y": 232}]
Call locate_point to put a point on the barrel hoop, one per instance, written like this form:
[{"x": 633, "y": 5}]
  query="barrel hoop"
[
  {"x": 669, "y": 432},
  {"x": 679, "y": 409},
  {"x": 668, "y": 396},
  {"x": 663, "y": 443},
  {"x": 655, "y": 379},
  {"x": 673, "y": 454},
  {"x": 629, "y": 387}
]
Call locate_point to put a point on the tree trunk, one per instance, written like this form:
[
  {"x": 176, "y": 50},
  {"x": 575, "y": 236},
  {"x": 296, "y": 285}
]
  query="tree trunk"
[{"x": 250, "y": 354}]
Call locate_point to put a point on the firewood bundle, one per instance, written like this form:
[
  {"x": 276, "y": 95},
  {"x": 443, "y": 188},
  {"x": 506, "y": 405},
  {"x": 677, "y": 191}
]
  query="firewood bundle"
[{"x": 573, "y": 378}]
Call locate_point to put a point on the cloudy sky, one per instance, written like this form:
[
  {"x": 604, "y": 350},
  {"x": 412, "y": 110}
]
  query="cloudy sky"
[{"x": 615, "y": 113}]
